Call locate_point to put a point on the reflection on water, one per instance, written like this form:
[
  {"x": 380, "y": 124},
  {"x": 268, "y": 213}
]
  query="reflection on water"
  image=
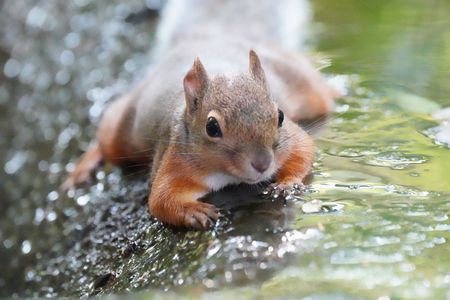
[{"x": 374, "y": 222}]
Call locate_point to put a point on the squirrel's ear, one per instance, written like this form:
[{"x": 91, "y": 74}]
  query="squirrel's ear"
[
  {"x": 195, "y": 85},
  {"x": 255, "y": 67}
]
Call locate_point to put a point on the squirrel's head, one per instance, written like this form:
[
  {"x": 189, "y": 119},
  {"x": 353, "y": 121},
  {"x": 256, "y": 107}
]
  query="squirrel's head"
[{"x": 234, "y": 121}]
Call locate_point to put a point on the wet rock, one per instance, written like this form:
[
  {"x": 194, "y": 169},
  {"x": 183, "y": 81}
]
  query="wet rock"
[
  {"x": 103, "y": 280},
  {"x": 129, "y": 249}
]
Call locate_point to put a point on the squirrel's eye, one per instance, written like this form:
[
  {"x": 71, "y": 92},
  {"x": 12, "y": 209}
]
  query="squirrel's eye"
[
  {"x": 213, "y": 128},
  {"x": 280, "y": 118}
]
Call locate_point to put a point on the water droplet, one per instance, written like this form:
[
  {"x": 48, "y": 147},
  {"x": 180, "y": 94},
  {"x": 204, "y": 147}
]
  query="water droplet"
[
  {"x": 289, "y": 197},
  {"x": 43, "y": 166},
  {"x": 313, "y": 206},
  {"x": 439, "y": 240},
  {"x": 330, "y": 245},
  {"x": 62, "y": 77},
  {"x": 55, "y": 168},
  {"x": 213, "y": 250},
  {"x": 53, "y": 196},
  {"x": 130, "y": 66},
  {"x": 442, "y": 227},
  {"x": 28, "y": 73},
  {"x": 12, "y": 68},
  {"x": 29, "y": 276},
  {"x": 209, "y": 283},
  {"x": 97, "y": 75},
  {"x": 67, "y": 58},
  {"x": 51, "y": 216},
  {"x": 39, "y": 216},
  {"x": 72, "y": 40},
  {"x": 43, "y": 81},
  {"x": 81, "y": 3},
  {"x": 83, "y": 200},
  {"x": 16, "y": 162},
  {"x": 440, "y": 218},
  {"x": 407, "y": 267},
  {"x": 153, "y": 4},
  {"x": 26, "y": 247},
  {"x": 395, "y": 160},
  {"x": 228, "y": 276},
  {"x": 7, "y": 243},
  {"x": 36, "y": 17}
]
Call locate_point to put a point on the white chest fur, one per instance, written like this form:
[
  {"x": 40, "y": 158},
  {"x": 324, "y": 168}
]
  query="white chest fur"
[{"x": 216, "y": 181}]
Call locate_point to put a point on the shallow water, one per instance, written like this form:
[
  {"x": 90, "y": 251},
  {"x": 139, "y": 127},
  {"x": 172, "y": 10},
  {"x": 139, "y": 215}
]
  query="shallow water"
[{"x": 373, "y": 223}]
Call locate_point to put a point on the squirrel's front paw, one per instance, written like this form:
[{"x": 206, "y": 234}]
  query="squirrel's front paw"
[
  {"x": 77, "y": 178},
  {"x": 200, "y": 215}
]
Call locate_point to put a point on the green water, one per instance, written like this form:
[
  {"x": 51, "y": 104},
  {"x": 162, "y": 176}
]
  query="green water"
[{"x": 383, "y": 229}]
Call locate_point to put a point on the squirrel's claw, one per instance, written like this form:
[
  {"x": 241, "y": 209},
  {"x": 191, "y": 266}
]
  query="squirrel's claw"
[
  {"x": 76, "y": 180},
  {"x": 84, "y": 171},
  {"x": 201, "y": 216}
]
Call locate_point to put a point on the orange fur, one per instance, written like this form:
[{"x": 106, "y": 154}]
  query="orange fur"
[
  {"x": 113, "y": 135},
  {"x": 173, "y": 196},
  {"x": 84, "y": 168},
  {"x": 294, "y": 169},
  {"x": 143, "y": 126},
  {"x": 296, "y": 160}
]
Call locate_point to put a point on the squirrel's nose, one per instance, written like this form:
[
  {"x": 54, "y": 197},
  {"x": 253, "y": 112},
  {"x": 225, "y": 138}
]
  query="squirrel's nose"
[{"x": 261, "y": 162}]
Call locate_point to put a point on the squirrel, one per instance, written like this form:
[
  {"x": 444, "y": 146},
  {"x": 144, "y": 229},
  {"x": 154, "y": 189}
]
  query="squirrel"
[{"x": 202, "y": 127}]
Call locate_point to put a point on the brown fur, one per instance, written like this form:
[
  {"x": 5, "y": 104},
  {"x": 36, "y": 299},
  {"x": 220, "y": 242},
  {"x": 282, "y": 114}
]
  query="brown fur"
[
  {"x": 164, "y": 119},
  {"x": 177, "y": 205}
]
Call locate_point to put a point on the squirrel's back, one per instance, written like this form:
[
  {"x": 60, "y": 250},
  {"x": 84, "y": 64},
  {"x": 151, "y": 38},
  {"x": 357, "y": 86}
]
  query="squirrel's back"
[
  {"x": 282, "y": 22},
  {"x": 220, "y": 33}
]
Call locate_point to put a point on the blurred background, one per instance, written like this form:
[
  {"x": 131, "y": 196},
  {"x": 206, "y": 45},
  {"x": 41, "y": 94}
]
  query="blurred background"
[{"x": 381, "y": 170}]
